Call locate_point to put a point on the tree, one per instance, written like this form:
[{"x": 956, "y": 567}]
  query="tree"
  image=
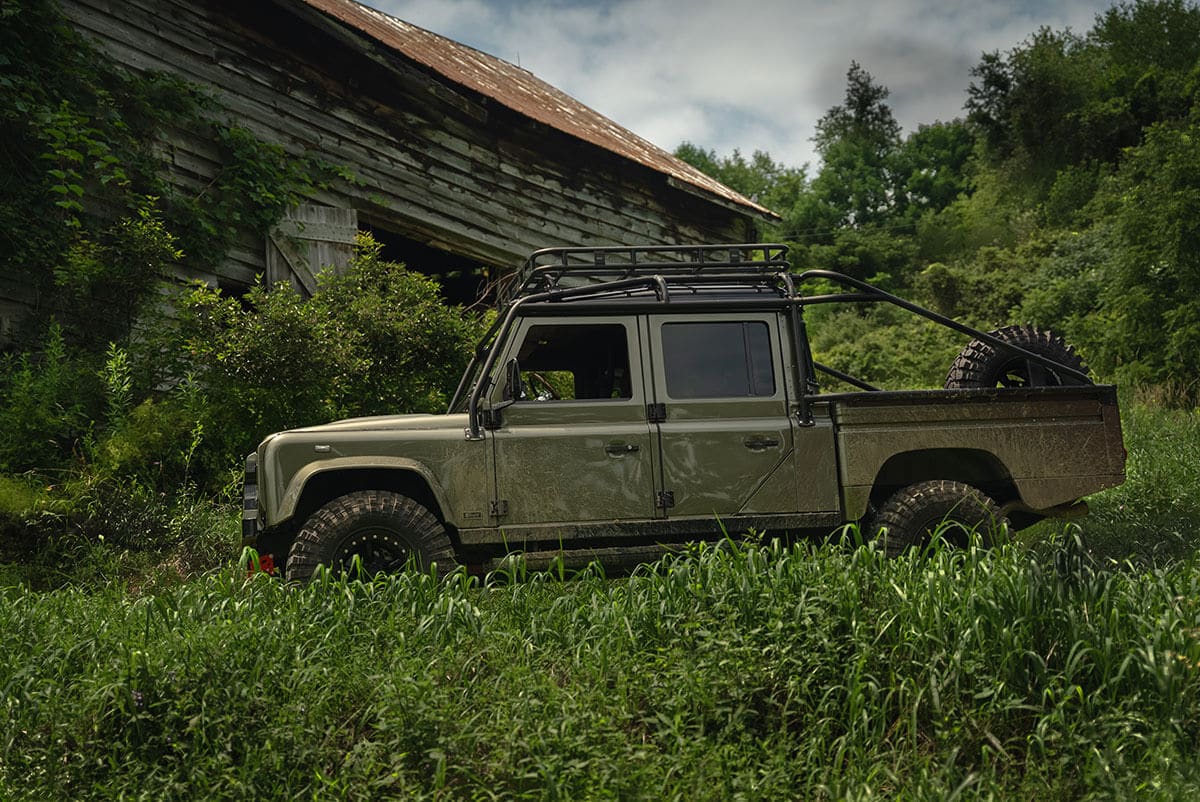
[
  {"x": 1153, "y": 207},
  {"x": 1060, "y": 99},
  {"x": 858, "y": 142},
  {"x": 760, "y": 178},
  {"x": 932, "y": 163}
]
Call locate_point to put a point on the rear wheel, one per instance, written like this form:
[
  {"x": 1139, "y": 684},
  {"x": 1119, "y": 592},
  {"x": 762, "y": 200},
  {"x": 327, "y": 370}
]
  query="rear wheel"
[
  {"x": 953, "y": 511},
  {"x": 385, "y": 531},
  {"x": 981, "y": 364}
]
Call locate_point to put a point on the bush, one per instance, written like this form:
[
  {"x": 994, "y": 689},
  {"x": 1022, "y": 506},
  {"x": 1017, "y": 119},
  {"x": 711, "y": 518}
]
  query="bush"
[
  {"x": 119, "y": 450},
  {"x": 48, "y": 400},
  {"x": 93, "y": 530},
  {"x": 885, "y": 346},
  {"x": 377, "y": 339}
]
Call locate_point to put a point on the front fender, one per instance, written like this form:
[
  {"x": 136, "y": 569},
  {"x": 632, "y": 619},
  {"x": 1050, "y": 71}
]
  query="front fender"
[{"x": 290, "y": 498}]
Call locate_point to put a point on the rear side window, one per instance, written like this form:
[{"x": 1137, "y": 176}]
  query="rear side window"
[{"x": 718, "y": 360}]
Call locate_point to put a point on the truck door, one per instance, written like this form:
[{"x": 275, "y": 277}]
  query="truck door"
[
  {"x": 721, "y": 408},
  {"x": 574, "y": 444}
]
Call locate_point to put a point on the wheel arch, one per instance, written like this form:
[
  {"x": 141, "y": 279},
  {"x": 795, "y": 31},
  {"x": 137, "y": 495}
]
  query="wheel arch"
[
  {"x": 326, "y": 485},
  {"x": 977, "y": 467},
  {"x": 319, "y": 483}
]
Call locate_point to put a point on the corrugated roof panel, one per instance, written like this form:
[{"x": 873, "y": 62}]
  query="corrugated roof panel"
[{"x": 523, "y": 92}]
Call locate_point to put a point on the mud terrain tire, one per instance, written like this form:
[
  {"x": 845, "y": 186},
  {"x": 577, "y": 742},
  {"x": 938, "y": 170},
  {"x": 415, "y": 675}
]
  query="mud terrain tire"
[
  {"x": 981, "y": 364},
  {"x": 386, "y": 530},
  {"x": 951, "y": 510}
]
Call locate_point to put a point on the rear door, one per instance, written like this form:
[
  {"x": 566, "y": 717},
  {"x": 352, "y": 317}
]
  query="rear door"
[{"x": 721, "y": 408}]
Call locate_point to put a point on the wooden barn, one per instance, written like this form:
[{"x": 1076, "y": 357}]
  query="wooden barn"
[{"x": 462, "y": 159}]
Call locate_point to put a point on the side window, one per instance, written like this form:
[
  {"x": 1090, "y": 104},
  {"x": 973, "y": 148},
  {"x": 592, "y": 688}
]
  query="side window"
[
  {"x": 575, "y": 361},
  {"x": 718, "y": 360}
]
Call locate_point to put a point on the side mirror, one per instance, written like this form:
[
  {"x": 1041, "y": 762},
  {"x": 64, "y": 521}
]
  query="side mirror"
[{"x": 513, "y": 391}]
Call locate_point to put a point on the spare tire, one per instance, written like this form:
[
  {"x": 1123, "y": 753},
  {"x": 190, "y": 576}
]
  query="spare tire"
[{"x": 981, "y": 364}]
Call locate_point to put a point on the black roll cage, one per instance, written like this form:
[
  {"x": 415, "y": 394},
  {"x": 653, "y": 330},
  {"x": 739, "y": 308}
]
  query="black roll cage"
[{"x": 749, "y": 273}]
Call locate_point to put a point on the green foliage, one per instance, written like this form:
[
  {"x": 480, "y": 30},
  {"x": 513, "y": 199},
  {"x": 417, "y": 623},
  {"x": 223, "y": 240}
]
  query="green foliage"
[
  {"x": 377, "y": 339},
  {"x": 103, "y": 284},
  {"x": 883, "y": 346},
  {"x": 858, "y": 142},
  {"x": 756, "y": 671},
  {"x": 1067, "y": 199},
  {"x": 90, "y": 529},
  {"x": 89, "y": 220},
  {"x": 47, "y": 404},
  {"x": 256, "y": 183},
  {"x": 931, "y": 166},
  {"x": 760, "y": 178},
  {"x": 1154, "y": 518},
  {"x": 872, "y": 253},
  {"x": 1060, "y": 99},
  {"x": 1153, "y": 276}
]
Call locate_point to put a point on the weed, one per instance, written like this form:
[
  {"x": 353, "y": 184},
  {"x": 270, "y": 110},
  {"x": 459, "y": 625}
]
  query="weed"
[{"x": 758, "y": 671}]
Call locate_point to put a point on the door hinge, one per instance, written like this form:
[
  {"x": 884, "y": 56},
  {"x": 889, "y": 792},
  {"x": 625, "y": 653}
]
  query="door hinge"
[
  {"x": 491, "y": 419},
  {"x": 656, "y": 413},
  {"x": 666, "y": 499},
  {"x": 498, "y": 509}
]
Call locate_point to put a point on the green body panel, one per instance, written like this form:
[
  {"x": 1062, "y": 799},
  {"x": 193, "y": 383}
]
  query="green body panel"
[
  {"x": 434, "y": 447},
  {"x": 719, "y": 453},
  {"x": 1055, "y": 444},
  {"x": 599, "y": 464},
  {"x": 597, "y": 454},
  {"x": 813, "y": 468}
]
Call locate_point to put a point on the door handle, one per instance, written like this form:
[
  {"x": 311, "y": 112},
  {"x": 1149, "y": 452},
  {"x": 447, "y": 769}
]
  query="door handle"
[
  {"x": 621, "y": 448},
  {"x": 759, "y": 443}
]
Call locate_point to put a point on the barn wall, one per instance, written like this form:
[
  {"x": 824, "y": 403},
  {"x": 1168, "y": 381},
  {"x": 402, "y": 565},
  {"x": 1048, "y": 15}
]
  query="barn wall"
[{"x": 438, "y": 163}]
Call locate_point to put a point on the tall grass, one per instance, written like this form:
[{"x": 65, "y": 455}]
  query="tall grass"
[
  {"x": 755, "y": 672},
  {"x": 1069, "y": 668},
  {"x": 1154, "y": 517}
]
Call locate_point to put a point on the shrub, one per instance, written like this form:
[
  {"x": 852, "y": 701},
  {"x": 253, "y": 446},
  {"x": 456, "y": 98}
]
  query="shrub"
[
  {"x": 48, "y": 400},
  {"x": 376, "y": 339},
  {"x": 885, "y": 346},
  {"x": 90, "y": 529}
]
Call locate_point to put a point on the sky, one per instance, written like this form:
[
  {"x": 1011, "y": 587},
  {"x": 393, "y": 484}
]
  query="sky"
[{"x": 745, "y": 74}]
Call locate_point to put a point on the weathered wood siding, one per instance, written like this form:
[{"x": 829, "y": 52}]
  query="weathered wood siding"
[
  {"x": 308, "y": 240},
  {"x": 438, "y": 163}
]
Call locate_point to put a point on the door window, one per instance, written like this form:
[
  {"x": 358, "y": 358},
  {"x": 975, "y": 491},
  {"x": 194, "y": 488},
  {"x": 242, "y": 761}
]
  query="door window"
[
  {"x": 718, "y": 360},
  {"x": 561, "y": 362}
]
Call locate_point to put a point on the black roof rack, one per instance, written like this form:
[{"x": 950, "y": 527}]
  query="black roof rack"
[{"x": 561, "y": 268}]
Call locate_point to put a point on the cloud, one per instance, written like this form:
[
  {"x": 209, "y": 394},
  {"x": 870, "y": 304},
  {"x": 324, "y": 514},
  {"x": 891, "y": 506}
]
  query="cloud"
[{"x": 750, "y": 75}]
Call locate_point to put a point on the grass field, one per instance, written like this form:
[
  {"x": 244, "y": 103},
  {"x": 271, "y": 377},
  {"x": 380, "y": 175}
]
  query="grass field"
[{"x": 1066, "y": 665}]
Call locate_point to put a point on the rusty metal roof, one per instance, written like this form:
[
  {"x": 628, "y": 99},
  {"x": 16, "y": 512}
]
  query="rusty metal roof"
[{"x": 525, "y": 93}]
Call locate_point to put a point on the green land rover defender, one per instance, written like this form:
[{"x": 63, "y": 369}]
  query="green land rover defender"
[{"x": 628, "y": 400}]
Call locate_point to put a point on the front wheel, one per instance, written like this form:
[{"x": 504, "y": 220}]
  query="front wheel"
[
  {"x": 953, "y": 511},
  {"x": 385, "y": 531}
]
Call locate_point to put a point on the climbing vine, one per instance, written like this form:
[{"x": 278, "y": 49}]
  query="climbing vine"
[{"x": 89, "y": 220}]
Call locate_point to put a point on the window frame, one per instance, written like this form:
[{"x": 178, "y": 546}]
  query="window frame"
[
  {"x": 768, "y": 321},
  {"x": 520, "y": 333}
]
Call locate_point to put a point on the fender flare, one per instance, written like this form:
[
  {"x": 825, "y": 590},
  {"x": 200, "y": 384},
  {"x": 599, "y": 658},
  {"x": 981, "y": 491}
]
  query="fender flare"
[{"x": 300, "y": 480}]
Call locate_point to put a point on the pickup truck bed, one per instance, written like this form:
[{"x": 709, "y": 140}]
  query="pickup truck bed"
[{"x": 1037, "y": 449}]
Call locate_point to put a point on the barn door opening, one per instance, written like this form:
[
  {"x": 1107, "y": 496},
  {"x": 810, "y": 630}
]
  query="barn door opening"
[
  {"x": 463, "y": 279},
  {"x": 308, "y": 239}
]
